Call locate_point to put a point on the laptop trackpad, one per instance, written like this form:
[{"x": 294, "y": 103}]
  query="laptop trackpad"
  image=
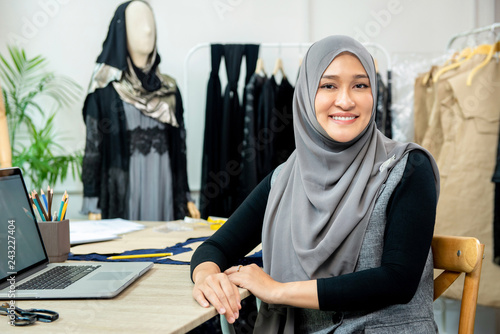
[{"x": 110, "y": 276}]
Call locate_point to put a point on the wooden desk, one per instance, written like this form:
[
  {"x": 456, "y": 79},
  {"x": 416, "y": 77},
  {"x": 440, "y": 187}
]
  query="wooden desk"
[{"x": 159, "y": 302}]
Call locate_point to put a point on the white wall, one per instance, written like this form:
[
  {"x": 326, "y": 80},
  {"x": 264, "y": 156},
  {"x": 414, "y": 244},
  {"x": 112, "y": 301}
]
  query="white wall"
[{"x": 69, "y": 33}]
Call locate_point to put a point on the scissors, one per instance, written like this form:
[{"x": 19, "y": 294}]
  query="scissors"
[{"x": 27, "y": 317}]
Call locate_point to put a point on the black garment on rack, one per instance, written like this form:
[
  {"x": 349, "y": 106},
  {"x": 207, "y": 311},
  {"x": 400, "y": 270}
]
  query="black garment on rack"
[
  {"x": 388, "y": 119},
  {"x": 282, "y": 123},
  {"x": 231, "y": 129},
  {"x": 496, "y": 211},
  {"x": 265, "y": 135},
  {"x": 224, "y": 120},
  {"x": 383, "y": 110},
  {"x": 249, "y": 153},
  {"x": 210, "y": 200},
  {"x": 251, "y": 56}
]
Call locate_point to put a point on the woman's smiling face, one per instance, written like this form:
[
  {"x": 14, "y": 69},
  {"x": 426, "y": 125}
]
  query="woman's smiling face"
[{"x": 344, "y": 99}]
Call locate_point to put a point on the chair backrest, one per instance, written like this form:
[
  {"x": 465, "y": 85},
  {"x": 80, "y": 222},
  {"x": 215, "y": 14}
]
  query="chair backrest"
[{"x": 456, "y": 255}]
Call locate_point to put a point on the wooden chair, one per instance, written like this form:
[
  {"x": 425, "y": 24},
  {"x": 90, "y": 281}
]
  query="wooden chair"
[{"x": 456, "y": 255}]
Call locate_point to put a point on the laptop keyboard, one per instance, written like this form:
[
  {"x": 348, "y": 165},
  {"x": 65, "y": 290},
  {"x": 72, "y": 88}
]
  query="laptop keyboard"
[{"x": 58, "y": 277}]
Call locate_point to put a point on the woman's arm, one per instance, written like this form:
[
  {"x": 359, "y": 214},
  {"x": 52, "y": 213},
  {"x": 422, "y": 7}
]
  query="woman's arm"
[
  {"x": 410, "y": 226},
  {"x": 302, "y": 294},
  {"x": 411, "y": 215},
  {"x": 238, "y": 236}
]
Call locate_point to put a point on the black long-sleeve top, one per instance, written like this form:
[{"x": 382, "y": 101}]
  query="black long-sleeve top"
[{"x": 411, "y": 215}]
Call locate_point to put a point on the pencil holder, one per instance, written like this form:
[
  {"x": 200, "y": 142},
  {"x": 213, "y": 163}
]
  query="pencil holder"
[{"x": 55, "y": 235}]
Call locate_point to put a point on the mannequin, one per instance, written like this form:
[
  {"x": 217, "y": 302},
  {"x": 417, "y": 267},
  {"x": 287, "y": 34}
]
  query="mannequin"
[
  {"x": 135, "y": 157},
  {"x": 5, "y": 149},
  {"x": 141, "y": 37}
]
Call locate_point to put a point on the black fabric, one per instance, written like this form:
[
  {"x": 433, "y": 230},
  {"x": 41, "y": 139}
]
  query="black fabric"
[
  {"x": 496, "y": 226},
  {"x": 232, "y": 128},
  {"x": 146, "y": 140},
  {"x": 496, "y": 213},
  {"x": 408, "y": 235},
  {"x": 383, "y": 111},
  {"x": 282, "y": 123},
  {"x": 268, "y": 138},
  {"x": 150, "y": 80},
  {"x": 105, "y": 162},
  {"x": 247, "y": 178},
  {"x": 114, "y": 49},
  {"x": 251, "y": 56},
  {"x": 388, "y": 118},
  {"x": 496, "y": 174},
  {"x": 107, "y": 153},
  {"x": 265, "y": 134},
  {"x": 221, "y": 165},
  {"x": 210, "y": 199},
  {"x": 250, "y": 146}
]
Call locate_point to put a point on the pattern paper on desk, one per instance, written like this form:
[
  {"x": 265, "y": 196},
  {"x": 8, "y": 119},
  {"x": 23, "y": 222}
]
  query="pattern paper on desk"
[{"x": 100, "y": 230}]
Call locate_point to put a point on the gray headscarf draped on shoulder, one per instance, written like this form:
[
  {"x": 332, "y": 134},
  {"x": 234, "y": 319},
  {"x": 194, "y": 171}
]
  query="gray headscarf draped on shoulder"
[{"x": 321, "y": 202}]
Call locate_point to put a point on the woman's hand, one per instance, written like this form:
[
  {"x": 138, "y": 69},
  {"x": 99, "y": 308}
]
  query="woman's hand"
[
  {"x": 302, "y": 294},
  {"x": 213, "y": 287},
  {"x": 255, "y": 280}
]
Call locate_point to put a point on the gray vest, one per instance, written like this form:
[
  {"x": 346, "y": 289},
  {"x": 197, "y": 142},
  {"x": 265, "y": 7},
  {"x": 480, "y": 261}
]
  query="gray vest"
[{"x": 416, "y": 317}]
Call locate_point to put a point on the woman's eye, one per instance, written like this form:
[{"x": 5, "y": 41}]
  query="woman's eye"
[
  {"x": 327, "y": 86},
  {"x": 361, "y": 86}
]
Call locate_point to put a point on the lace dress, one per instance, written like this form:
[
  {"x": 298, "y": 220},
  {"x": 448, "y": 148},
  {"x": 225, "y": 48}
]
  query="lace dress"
[{"x": 150, "y": 186}]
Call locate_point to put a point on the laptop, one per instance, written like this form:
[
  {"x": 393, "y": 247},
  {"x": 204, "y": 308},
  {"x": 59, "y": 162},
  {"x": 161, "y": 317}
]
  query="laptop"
[{"x": 23, "y": 257}]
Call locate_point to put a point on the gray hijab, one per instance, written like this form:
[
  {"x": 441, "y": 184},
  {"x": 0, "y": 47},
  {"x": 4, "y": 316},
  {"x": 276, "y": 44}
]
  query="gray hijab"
[{"x": 323, "y": 196}]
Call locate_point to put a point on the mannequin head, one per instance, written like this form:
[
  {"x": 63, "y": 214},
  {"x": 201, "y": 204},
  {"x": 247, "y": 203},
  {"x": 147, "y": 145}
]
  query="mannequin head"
[{"x": 141, "y": 32}]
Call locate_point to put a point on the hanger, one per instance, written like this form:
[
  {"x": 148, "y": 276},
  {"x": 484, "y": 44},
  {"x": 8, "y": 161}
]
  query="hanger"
[
  {"x": 427, "y": 76},
  {"x": 259, "y": 68},
  {"x": 466, "y": 54},
  {"x": 278, "y": 67},
  {"x": 449, "y": 64},
  {"x": 301, "y": 55},
  {"x": 376, "y": 64},
  {"x": 494, "y": 48}
]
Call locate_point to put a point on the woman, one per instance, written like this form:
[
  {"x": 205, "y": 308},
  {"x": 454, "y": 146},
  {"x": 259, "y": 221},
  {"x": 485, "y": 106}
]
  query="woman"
[{"x": 346, "y": 222}]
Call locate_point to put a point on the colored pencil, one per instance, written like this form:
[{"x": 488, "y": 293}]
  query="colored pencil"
[
  {"x": 41, "y": 205},
  {"x": 64, "y": 208},
  {"x": 62, "y": 205},
  {"x": 138, "y": 256},
  {"x": 49, "y": 204},
  {"x": 44, "y": 199}
]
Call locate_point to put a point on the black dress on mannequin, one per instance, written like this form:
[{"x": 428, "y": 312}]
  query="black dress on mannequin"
[{"x": 122, "y": 137}]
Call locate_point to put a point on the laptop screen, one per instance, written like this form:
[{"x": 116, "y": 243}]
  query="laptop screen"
[{"x": 20, "y": 240}]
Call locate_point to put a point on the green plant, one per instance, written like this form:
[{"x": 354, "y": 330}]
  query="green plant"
[{"x": 29, "y": 89}]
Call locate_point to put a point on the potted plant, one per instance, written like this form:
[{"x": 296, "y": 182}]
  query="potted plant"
[{"x": 32, "y": 96}]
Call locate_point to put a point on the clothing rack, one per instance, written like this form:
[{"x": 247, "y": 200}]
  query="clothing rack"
[
  {"x": 196, "y": 48},
  {"x": 491, "y": 28},
  {"x": 279, "y": 46}
]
